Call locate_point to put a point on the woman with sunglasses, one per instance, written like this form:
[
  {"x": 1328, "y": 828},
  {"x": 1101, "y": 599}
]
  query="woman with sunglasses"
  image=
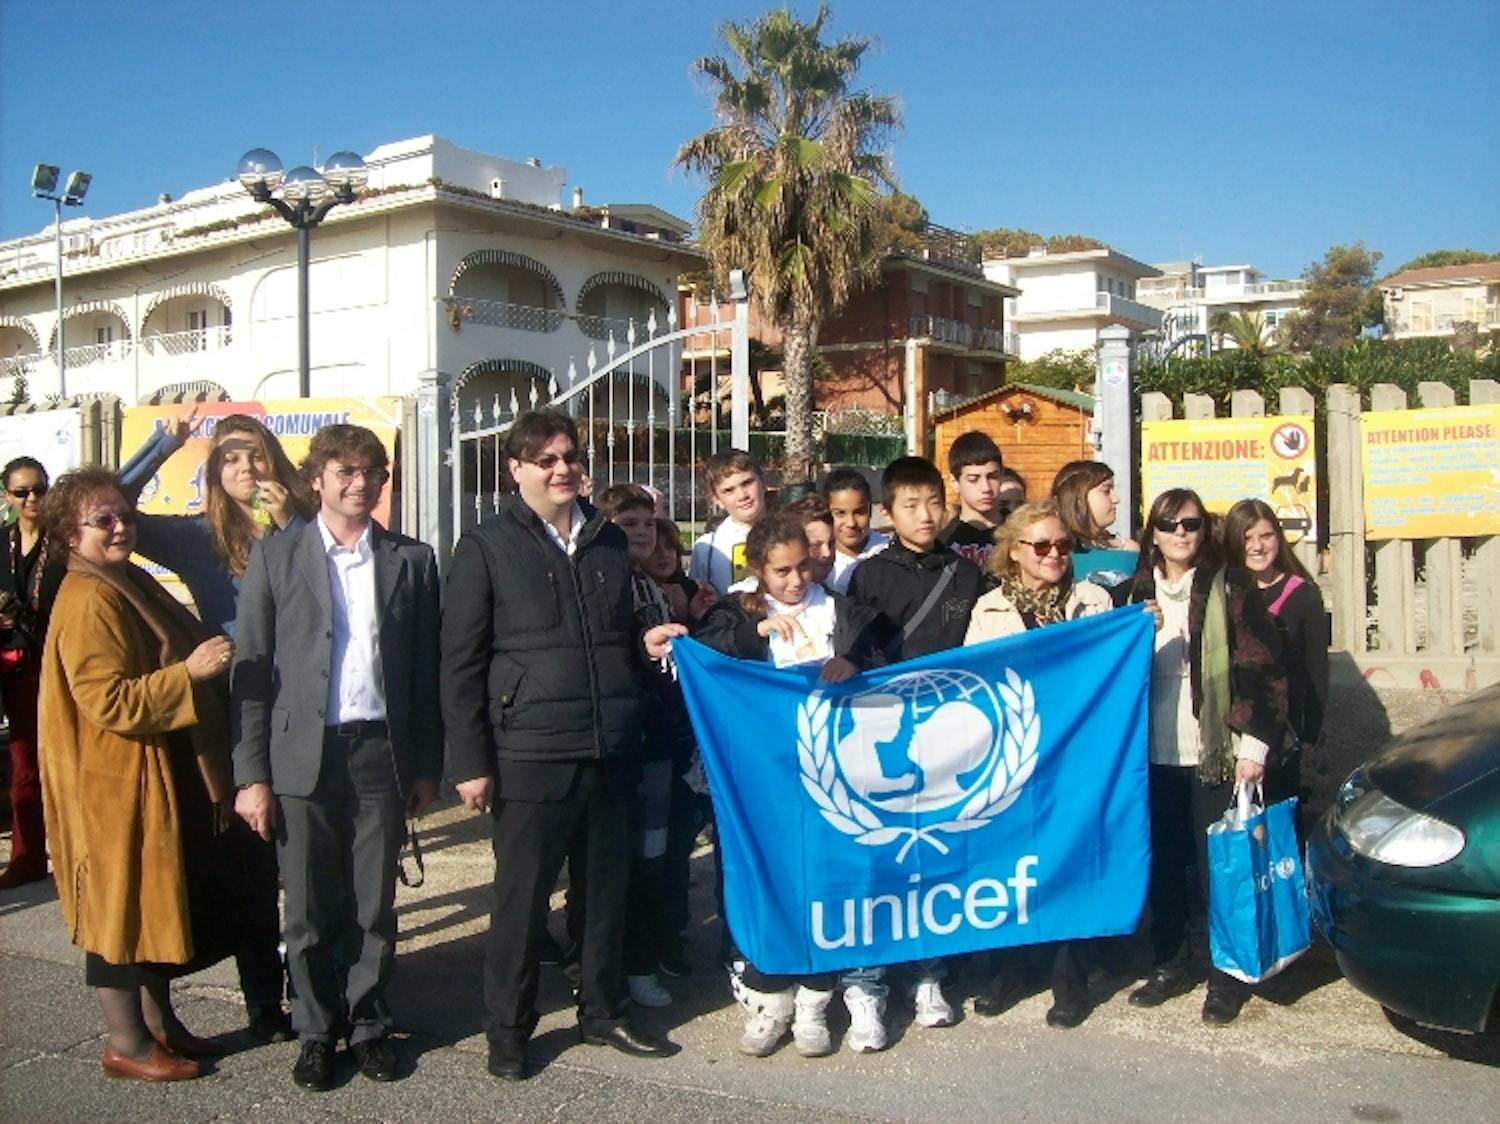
[
  {"x": 1255, "y": 540},
  {"x": 249, "y": 490},
  {"x": 1031, "y": 555},
  {"x": 1218, "y": 704},
  {"x": 134, "y": 713},
  {"x": 29, "y": 576}
]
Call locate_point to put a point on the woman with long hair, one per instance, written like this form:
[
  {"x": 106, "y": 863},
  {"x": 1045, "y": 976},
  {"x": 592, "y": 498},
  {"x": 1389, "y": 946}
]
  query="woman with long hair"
[
  {"x": 134, "y": 718},
  {"x": 1218, "y": 706},
  {"x": 249, "y": 489},
  {"x": 1254, "y": 539},
  {"x": 1084, "y": 492}
]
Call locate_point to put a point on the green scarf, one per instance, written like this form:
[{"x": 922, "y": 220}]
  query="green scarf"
[{"x": 1216, "y": 758}]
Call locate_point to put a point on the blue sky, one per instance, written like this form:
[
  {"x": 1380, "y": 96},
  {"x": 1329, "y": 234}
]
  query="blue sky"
[{"x": 1242, "y": 132}]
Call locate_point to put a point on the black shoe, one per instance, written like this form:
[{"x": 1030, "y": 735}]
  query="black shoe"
[
  {"x": 314, "y": 1068},
  {"x": 1222, "y": 1007},
  {"x": 1065, "y": 1016},
  {"x": 376, "y": 1059},
  {"x": 1000, "y": 995},
  {"x": 507, "y": 1059},
  {"x": 1164, "y": 983},
  {"x": 270, "y": 1024},
  {"x": 626, "y": 1039}
]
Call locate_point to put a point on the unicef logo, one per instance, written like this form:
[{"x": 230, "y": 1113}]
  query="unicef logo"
[{"x": 941, "y": 751}]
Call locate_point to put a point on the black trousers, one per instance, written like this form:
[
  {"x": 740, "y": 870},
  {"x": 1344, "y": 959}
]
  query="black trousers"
[
  {"x": 590, "y": 826},
  {"x": 338, "y": 850},
  {"x": 258, "y": 957}
]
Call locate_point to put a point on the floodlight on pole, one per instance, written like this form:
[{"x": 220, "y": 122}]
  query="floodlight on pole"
[
  {"x": 305, "y": 198},
  {"x": 44, "y": 186}
]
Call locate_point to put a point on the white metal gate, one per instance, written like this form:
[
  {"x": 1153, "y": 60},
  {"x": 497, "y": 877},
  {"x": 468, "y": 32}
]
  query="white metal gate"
[{"x": 633, "y": 424}]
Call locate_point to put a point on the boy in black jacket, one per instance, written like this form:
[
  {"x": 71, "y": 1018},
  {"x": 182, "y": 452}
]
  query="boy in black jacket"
[{"x": 926, "y": 591}]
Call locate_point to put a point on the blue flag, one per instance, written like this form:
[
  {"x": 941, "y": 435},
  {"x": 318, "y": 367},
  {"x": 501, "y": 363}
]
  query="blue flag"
[{"x": 976, "y": 798}]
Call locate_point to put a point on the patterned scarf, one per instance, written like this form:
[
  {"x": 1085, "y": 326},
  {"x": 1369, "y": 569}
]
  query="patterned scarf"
[{"x": 1045, "y": 606}]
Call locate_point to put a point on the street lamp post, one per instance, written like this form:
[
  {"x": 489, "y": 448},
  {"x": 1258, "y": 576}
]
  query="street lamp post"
[
  {"x": 44, "y": 186},
  {"x": 305, "y": 198}
]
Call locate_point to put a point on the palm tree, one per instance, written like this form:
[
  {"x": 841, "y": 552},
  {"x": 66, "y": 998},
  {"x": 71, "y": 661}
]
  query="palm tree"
[
  {"x": 1248, "y": 331},
  {"x": 794, "y": 170}
]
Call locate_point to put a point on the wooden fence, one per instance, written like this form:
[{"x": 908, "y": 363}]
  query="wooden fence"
[{"x": 1410, "y": 612}]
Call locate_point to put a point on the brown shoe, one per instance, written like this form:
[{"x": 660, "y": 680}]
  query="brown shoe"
[{"x": 162, "y": 1065}]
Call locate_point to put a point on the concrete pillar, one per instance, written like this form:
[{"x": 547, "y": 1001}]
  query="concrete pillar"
[
  {"x": 916, "y": 407},
  {"x": 427, "y": 466},
  {"x": 739, "y": 363},
  {"x": 1114, "y": 420},
  {"x": 1346, "y": 519}
]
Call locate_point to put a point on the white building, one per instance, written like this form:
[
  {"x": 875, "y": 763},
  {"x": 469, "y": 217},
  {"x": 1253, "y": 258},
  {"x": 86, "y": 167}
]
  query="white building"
[
  {"x": 450, "y": 261},
  {"x": 1067, "y": 298},
  {"x": 1190, "y": 295},
  {"x": 1434, "y": 301}
]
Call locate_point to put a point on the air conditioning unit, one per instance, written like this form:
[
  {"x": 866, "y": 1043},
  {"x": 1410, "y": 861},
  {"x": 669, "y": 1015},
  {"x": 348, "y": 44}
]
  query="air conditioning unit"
[
  {"x": 1396, "y": 293},
  {"x": 497, "y": 189}
]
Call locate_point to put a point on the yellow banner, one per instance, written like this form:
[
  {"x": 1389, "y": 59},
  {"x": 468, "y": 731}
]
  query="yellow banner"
[
  {"x": 177, "y": 487},
  {"x": 1431, "y": 473},
  {"x": 1226, "y": 460}
]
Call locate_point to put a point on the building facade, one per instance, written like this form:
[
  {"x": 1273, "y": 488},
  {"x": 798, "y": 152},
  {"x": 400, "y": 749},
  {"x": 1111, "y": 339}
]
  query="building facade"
[
  {"x": 1434, "y": 302},
  {"x": 1064, "y": 299},
  {"x": 450, "y": 262},
  {"x": 1191, "y": 295}
]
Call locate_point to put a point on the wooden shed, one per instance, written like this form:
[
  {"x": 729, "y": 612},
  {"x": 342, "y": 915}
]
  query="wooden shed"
[{"x": 1038, "y": 428}]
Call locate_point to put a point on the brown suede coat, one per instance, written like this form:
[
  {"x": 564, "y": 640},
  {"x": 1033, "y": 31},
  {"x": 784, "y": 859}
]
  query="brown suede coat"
[{"x": 107, "y": 706}]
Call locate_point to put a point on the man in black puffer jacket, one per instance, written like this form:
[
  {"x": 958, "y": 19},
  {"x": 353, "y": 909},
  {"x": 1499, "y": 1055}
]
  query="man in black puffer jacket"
[{"x": 541, "y": 682}]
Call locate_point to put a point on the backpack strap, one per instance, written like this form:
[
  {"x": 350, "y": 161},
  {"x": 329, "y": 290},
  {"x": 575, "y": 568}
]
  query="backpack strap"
[
  {"x": 926, "y": 607},
  {"x": 1275, "y": 607}
]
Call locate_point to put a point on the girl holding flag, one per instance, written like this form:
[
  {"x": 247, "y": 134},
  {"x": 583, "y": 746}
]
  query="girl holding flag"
[{"x": 780, "y": 614}]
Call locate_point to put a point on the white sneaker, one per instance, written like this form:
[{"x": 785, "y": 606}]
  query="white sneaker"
[
  {"x": 768, "y": 1014},
  {"x": 810, "y": 1023},
  {"x": 932, "y": 1008},
  {"x": 646, "y": 992},
  {"x": 763, "y": 1031},
  {"x": 866, "y": 1020}
]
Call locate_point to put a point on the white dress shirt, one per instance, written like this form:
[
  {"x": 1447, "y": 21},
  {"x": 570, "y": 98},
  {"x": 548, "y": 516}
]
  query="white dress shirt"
[
  {"x": 570, "y": 546},
  {"x": 356, "y": 681}
]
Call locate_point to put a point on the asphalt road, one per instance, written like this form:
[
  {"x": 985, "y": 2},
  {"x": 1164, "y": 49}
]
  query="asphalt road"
[{"x": 1309, "y": 1048}]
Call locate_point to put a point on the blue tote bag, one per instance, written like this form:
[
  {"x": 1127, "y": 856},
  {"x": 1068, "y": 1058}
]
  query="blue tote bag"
[{"x": 1257, "y": 897}]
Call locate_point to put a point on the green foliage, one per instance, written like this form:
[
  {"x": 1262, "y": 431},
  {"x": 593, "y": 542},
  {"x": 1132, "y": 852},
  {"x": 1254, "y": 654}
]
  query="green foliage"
[
  {"x": 1332, "y": 304},
  {"x": 1016, "y": 242},
  {"x": 1362, "y": 364},
  {"x": 1065, "y": 370},
  {"x": 901, "y": 223},
  {"x": 1437, "y": 258}
]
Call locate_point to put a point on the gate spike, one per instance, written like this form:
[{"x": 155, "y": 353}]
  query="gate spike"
[
  {"x": 593, "y": 359},
  {"x": 572, "y": 372},
  {"x": 609, "y": 347},
  {"x": 672, "y": 317},
  {"x": 551, "y": 386},
  {"x": 515, "y": 407},
  {"x": 534, "y": 395},
  {"x": 630, "y": 332}
]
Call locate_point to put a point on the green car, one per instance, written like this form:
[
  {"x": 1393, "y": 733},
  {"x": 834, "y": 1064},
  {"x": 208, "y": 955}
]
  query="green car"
[{"x": 1404, "y": 871}]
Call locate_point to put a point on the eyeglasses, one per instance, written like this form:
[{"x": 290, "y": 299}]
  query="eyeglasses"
[
  {"x": 347, "y": 475},
  {"x": 106, "y": 520},
  {"x": 1191, "y": 525},
  {"x": 1046, "y": 546},
  {"x": 548, "y": 461},
  {"x": 37, "y": 490}
]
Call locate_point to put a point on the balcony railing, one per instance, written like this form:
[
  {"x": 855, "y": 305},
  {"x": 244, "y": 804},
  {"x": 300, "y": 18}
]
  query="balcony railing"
[
  {"x": 186, "y": 343},
  {"x": 958, "y": 332},
  {"x": 1128, "y": 309},
  {"x": 499, "y": 314},
  {"x": 599, "y": 327}
]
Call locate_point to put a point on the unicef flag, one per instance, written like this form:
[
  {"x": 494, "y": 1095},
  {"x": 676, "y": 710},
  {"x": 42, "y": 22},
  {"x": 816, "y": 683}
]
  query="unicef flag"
[{"x": 975, "y": 798}]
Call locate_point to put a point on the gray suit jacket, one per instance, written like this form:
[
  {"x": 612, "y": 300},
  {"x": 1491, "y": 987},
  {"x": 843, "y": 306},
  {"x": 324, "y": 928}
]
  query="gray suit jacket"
[{"x": 284, "y": 653}]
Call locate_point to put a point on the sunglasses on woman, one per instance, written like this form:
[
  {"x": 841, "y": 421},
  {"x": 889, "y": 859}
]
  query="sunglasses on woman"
[
  {"x": 106, "y": 520},
  {"x": 37, "y": 490},
  {"x": 1044, "y": 547},
  {"x": 1191, "y": 525}
]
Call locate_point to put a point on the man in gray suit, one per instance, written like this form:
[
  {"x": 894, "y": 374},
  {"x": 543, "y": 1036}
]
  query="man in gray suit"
[{"x": 337, "y": 733}]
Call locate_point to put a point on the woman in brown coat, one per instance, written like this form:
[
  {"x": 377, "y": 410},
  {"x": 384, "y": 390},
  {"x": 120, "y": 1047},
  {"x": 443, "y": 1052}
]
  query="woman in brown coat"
[{"x": 134, "y": 754}]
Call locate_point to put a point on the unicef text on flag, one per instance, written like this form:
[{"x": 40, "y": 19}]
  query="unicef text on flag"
[{"x": 976, "y": 798}]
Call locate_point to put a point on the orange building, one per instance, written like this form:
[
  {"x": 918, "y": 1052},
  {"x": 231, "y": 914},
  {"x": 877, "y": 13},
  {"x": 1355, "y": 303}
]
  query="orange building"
[{"x": 1038, "y": 429}]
